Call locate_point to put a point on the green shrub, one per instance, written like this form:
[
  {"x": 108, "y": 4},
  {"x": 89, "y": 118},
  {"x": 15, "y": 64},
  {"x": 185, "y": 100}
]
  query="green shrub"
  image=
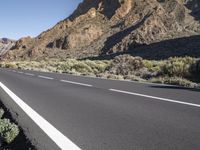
[
  {"x": 177, "y": 66},
  {"x": 97, "y": 66},
  {"x": 153, "y": 66},
  {"x": 82, "y": 68},
  {"x": 8, "y": 131},
  {"x": 64, "y": 68}
]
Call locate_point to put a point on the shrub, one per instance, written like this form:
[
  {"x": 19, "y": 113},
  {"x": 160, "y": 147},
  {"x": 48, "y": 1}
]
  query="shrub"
[
  {"x": 177, "y": 66},
  {"x": 2, "y": 64},
  {"x": 97, "y": 66},
  {"x": 153, "y": 66},
  {"x": 8, "y": 131},
  {"x": 63, "y": 68},
  {"x": 126, "y": 65},
  {"x": 66, "y": 66},
  {"x": 82, "y": 68},
  {"x": 11, "y": 65},
  {"x": 175, "y": 81}
]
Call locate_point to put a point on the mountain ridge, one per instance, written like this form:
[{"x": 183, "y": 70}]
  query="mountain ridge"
[{"x": 107, "y": 27}]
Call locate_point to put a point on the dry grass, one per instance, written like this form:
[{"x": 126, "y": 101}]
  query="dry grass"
[{"x": 177, "y": 70}]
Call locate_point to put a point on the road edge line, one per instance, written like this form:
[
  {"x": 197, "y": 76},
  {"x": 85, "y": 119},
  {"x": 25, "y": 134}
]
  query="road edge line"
[{"x": 55, "y": 135}]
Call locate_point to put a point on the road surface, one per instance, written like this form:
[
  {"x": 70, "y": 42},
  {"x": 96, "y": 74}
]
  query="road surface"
[{"x": 98, "y": 114}]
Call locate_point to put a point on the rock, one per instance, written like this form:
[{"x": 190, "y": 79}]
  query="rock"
[{"x": 5, "y": 45}]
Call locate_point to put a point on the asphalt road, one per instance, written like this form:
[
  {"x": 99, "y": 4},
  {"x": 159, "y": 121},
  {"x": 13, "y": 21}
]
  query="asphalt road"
[{"x": 98, "y": 114}]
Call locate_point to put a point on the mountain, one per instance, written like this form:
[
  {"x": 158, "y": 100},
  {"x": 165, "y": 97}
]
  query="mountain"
[
  {"x": 154, "y": 29},
  {"x": 5, "y": 45}
]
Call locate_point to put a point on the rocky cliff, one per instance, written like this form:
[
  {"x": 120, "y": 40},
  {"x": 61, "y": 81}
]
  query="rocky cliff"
[
  {"x": 148, "y": 28},
  {"x": 5, "y": 45}
]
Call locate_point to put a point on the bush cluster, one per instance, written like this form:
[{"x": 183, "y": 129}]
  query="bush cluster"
[
  {"x": 177, "y": 66},
  {"x": 8, "y": 131},
  {"x": 126, "y": 65},
  {"x": 176, "y": 70}
]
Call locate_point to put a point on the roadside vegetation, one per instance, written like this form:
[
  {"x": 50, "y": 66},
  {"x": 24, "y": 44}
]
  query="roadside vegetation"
[
  {"x": 183, "y": 71},
  {"x": 8, "y": 131},
  {"x": 12, "y": 137}
]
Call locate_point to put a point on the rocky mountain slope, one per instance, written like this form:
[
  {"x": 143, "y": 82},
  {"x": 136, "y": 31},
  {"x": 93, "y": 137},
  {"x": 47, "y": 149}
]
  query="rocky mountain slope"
[
  {"x": 5, "y": 45},
  {"x": 152, "y": 29}
]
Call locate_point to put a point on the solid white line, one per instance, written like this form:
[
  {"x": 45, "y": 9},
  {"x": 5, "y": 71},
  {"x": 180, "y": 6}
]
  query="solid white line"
[
  {"x": 77, "y": 83},
  {"x": 61, "y": 140},
  {"x": 44, "y": 77},
  {"x": 157, "y": 98},
  {"x": 29, "y": 74}
]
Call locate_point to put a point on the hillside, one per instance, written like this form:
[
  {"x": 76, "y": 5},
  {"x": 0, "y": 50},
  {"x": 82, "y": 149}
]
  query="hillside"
[
  {"x": 5, "y": 45},
  {"x": 153, "y": 29}
]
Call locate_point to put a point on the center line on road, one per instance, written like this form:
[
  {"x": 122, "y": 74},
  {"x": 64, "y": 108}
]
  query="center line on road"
[
  {"x": 157, "y": 98},
  {"x": 20, "y": 72},
  {"x": 44, "y": 77},
  {"x": 29, "y": 74},
  {"x": 77, "y": 83}
]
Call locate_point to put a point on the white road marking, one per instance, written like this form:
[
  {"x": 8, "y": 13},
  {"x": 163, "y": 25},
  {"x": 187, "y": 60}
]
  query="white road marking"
[
  {"x": 77, "y": 83},
  {"x": 61, "y": 140},
  {"x": 20, "y": 72},
  {"x": 157, "y": 98},
  {"x": 44, "y": 77},
  {"x": 14, "y": 71},
  {"x": 125, "y": 80},
  {"x": 29, "y": 74}
]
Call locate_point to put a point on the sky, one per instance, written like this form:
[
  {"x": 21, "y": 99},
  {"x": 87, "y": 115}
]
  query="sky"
[{"x": 21, "y": 18}]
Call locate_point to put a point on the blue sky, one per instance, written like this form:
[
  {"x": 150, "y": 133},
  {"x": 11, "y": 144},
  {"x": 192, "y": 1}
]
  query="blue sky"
[{"x": 20, "y": 18}]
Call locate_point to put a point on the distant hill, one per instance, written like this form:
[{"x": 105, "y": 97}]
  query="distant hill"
[{"x": 154, "y": 29}]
